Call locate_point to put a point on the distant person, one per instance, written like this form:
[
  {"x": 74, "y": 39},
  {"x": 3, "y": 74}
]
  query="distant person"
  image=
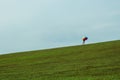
[{"x": 84, "y": 39}]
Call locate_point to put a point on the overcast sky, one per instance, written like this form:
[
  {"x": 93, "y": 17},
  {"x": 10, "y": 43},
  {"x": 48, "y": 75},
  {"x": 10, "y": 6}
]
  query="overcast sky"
[{"x": 40, "y": 24}]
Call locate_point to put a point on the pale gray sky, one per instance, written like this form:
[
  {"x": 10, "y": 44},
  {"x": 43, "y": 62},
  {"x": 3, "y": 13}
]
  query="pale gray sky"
[{"x": 40, "y": 24}]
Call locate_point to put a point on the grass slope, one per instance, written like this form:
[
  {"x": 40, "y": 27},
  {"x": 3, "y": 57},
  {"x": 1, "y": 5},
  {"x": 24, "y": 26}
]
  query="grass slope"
[{"x": 99, "y": 61}]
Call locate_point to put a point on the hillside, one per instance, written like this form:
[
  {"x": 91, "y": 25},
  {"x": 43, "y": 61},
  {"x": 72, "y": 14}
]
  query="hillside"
[{"x": 100, "y": 61}]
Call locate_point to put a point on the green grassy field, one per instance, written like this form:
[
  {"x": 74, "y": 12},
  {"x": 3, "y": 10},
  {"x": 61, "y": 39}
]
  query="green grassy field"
[{"x": 100, "y": 61}]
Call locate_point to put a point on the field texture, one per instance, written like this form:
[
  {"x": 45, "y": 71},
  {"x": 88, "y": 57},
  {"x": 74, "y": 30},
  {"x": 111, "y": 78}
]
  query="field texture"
[{"x": 99, "y": 61}]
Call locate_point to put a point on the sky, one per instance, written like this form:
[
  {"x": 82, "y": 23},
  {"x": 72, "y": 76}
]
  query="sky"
[{"x": 27, "y": 25}]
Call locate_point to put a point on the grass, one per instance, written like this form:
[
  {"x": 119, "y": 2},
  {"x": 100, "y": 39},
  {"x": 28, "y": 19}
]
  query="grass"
[{"x": 99, "y": 61}]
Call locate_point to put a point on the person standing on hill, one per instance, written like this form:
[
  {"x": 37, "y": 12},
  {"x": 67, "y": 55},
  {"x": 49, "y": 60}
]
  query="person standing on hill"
[{"x": 84, "y": 39}]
